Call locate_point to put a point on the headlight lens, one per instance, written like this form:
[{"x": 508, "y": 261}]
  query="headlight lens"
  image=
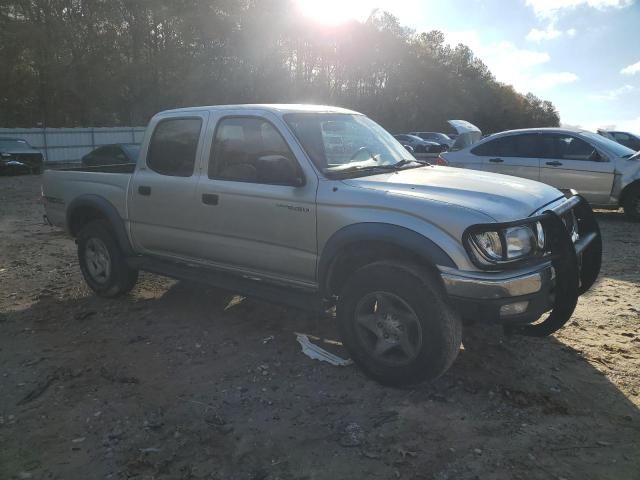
[
  {"x": 490, "y": 244},
  {"x": 520, "y": 241},
  {"x": 509, "y": 244}
]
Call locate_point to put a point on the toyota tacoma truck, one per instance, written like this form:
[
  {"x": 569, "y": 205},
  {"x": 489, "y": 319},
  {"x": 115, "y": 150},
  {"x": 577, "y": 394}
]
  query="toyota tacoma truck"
[{"x": 253, "y": 199}]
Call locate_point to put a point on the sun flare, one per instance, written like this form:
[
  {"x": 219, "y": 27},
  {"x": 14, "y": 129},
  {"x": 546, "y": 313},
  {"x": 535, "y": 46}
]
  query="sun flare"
[{"x": 335, "y": 12}]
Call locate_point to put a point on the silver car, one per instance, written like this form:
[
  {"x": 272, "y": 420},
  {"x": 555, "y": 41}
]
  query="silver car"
[{"x": 606, "y": 173}]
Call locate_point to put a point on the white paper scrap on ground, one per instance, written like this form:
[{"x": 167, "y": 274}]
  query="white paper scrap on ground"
[{"x": 313, "y": 351}]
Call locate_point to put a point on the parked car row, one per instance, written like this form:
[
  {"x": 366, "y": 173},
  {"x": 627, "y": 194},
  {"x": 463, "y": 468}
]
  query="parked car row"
[
  {"x": 418, "y": 145},
  {"x": 432, "y": 143},
  {"x": 440, "y": 138}
]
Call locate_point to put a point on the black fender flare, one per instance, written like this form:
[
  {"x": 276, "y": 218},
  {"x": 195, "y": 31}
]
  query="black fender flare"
[
  {"x": 108, "y": 211},
  {"x": 401, "y": 237}
]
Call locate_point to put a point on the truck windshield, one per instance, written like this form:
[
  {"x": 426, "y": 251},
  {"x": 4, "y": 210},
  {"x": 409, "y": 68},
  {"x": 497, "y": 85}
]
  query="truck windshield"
[{"x": 336, "y": 142}]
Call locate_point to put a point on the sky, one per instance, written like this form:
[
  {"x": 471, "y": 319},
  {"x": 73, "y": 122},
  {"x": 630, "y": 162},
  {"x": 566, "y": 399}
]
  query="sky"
[{"x": 583, "y": 55}]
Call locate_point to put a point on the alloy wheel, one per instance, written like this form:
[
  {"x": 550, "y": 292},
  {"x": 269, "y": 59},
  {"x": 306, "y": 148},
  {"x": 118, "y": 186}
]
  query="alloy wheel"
[{"x": 388, "y": 328}]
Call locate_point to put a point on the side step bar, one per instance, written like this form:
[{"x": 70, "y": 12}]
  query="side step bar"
[{"x": 303, "y": 299}]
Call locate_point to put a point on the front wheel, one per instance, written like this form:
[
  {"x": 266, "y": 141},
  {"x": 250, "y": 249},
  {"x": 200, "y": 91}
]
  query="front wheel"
[
  {"x": 631, "y": 204},
  {"x": 396, "y": 324},
  {"x": 102, "y": 262}
]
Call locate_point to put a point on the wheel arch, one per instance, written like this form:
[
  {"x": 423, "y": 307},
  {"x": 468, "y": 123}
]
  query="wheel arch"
[
  {"x": 87, "y": 208},
  {"x": 357, "y": 245}
]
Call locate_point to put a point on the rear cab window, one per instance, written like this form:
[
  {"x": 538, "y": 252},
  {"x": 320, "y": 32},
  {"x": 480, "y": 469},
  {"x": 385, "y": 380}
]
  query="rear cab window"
[{"x": 173, "y": 146}]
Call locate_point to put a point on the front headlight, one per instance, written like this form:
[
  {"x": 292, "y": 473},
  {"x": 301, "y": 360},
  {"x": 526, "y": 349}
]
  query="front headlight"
[
  {"x": 520, "y": 241},
  {"x": 507, "y": 244},
  {"x": 490, "y": 244}
]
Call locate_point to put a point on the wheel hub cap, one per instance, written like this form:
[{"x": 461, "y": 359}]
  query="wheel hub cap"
[
  {"x": 388, "y": 328},
  {"x": 98, "y": 260}
]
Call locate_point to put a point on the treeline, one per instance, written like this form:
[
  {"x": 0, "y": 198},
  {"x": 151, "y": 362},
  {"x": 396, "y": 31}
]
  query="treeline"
[{"x": 117, "y": 62}]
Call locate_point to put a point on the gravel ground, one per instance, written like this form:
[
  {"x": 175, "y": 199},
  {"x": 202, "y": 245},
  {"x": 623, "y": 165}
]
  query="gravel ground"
[{"x": 180, "y": 381}]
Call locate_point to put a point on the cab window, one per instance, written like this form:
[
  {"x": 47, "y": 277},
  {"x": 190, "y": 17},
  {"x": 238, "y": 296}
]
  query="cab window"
[
  {"x": 250, "y": 149},
  {"x": 173, "y": 147}
]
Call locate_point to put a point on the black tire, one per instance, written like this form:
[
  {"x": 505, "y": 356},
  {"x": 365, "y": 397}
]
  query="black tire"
[
  {"x": 117, "y": 279},
  {"x": 438, "y": 325},
  {"x": 631, "y": 204}
]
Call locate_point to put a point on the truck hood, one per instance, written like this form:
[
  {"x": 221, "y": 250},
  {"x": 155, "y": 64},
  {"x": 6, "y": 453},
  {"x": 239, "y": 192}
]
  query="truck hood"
[{"x": 501, "y": 197}]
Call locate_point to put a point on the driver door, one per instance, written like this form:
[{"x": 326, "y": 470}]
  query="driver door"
[{"x": 253, "y": 214}]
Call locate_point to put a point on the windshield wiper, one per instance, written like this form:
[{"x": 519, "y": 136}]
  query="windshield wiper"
[
  {"x": 399, "y": 164},
  {"x": 365, "y": 168}
]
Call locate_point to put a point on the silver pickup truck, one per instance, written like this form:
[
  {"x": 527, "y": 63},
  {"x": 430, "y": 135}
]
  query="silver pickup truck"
[{"x": 262, "y": 200}]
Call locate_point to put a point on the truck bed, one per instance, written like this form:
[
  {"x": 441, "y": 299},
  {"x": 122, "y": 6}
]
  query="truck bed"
[{"x": 61, "y": 187}]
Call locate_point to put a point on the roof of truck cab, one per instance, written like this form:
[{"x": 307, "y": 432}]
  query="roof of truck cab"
[{"x": 276, "y": 108}]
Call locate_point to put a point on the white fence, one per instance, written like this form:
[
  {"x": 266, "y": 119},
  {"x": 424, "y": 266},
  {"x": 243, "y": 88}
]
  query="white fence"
[{"x": 70, "y": 144}]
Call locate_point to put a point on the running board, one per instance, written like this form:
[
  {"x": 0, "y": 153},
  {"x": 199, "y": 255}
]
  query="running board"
[{"x": 304, "y": 299}]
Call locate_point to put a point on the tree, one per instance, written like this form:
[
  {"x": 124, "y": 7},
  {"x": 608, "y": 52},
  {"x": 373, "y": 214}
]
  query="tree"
[{"x": 117, "y": 62}]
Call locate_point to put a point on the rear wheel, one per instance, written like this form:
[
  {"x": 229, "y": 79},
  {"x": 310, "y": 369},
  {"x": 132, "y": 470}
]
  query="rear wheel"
[
  {"x": 631, "y": 203},
  {"x": 102, "y": 262},
  {"x": 397, "y": 325}
]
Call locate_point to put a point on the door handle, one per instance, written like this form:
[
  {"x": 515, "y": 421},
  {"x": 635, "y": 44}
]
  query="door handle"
[
  {"x": 210, "y": 198},
  {"x": 144, "y": 190},
  {"x": 555, "y": 163},
  {"x": 496, "y": 160}
]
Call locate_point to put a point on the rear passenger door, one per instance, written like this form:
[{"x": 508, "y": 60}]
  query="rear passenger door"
[
  {"x": 162, "y": 213},
  {"x": 577, "y": 164},
  {"x": 256, "y": 204},
  {"x": 516, "y": 155}
]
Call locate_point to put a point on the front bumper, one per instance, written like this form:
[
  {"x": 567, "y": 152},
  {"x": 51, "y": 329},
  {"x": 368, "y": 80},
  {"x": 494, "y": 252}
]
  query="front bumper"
[
  {"x": 522, "y": 296},
  {"x": 487, "y": 296}
]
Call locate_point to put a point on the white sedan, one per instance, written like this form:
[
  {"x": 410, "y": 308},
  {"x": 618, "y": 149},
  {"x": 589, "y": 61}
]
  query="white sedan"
[{"x": 606, "y": 173}]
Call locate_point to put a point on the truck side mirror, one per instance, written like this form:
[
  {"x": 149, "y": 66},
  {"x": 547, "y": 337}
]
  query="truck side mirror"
[{"x": 279, "y": 170}]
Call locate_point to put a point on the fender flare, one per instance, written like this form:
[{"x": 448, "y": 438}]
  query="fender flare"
[
  {"x": 108, "y": 211},
  {"x": 401, "y": 237}
]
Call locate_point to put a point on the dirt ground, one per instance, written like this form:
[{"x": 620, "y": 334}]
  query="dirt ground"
[{"x": 179, "y": 381}]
